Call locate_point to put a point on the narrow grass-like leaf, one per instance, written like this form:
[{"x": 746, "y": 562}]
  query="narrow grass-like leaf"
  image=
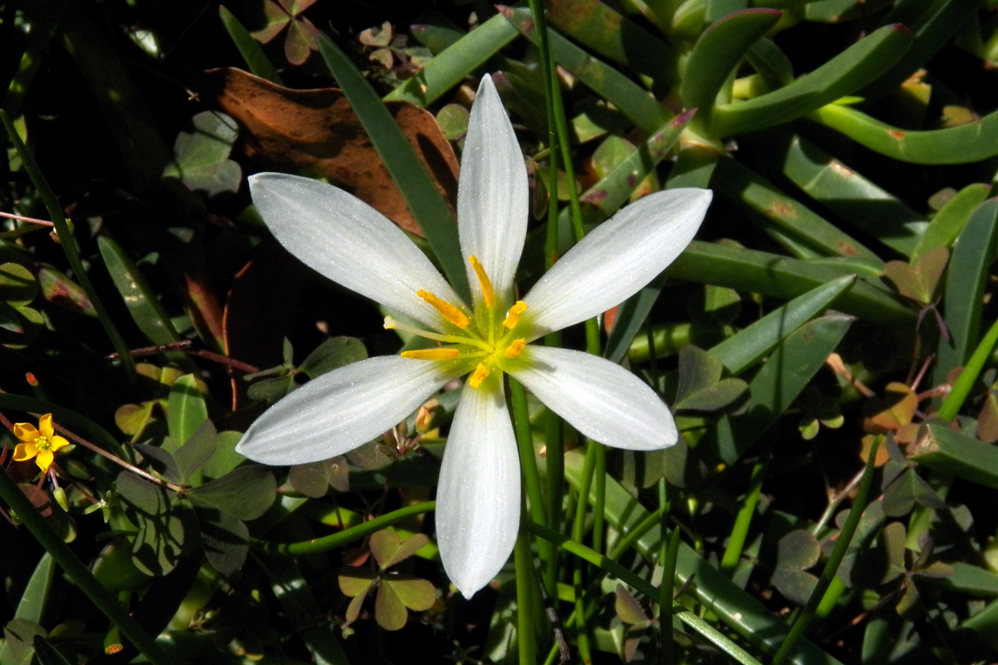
[
  {"x": 965, "y": 281},
  {"x": 783, "y": 277},
  {"x": 718, "y": 50},
  {"x": 853, "y": 197},
  {"x": 740, "y": 352},
  {"x": 853, "y": 68},
  {"x": 606, "y": 197},
  {"x": 145, "y": 308},
  {"x": 946, "y": 226},
  {"x": 837, "y": 11},
  {"x": 933, "y": 24},
  {"x": 36, "y": 593},
  {"x": 601, "y": 29},
  {"x": 436, "y": 32},
  {"x": 789, "y": 369},
  {"x": 632, "y": 100},
  {"x": 630, "y": 318},
  {"x": 69, "y": 245},
  {"x": 76, "y": 570},
  {"x": 257, "y": 61},
  {"x": 774, "y": 208},
  {"x": 738, "y": 610},
  {"x": 964, "y": 144},
  {"x": 425, "y": 201},
  {"x": 955, "y": 454},
  {"x": 449, "y": 67}
]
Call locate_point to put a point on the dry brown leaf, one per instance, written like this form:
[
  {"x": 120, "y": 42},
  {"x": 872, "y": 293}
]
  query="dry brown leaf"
[{"x": 316, "y": 133}]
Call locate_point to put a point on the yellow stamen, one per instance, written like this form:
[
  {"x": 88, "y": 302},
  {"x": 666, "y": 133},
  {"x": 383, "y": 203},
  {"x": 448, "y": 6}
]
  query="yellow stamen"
[
  {"x": 514, "y": 314},
  {"x": 480, "y": 374},
  {"x": 432, "y": 354},
  {"x": 483, "y": 281},
  {"x": 447, "y": 310},
  {"x": 516, "y": 348}
]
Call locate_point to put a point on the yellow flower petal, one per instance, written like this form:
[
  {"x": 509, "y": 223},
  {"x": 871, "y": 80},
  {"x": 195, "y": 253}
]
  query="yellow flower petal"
[
  {"x": 57, "y": 443},
  {"x": 25, "y": 431},
  {"x": 44, "y": 459},
  {"x": 45, "y": 425},
  {"x": 24, "y": 451}
]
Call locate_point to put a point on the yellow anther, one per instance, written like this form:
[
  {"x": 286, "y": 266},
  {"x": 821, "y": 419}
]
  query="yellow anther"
[
  {"x": 431, "y": 354},
  {"x": 480, "y": 374},
  {"x": 516, "y": 348},
  {"x": 390, "y": 323},
  {"x": 447, "y": 310},
  {"x": 483, "y": 281},
  {"x": 514, "y": 314}
]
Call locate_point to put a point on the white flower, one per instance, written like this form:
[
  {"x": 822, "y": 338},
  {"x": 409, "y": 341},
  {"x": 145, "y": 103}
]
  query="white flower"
[{"x": 478, "y": 497}]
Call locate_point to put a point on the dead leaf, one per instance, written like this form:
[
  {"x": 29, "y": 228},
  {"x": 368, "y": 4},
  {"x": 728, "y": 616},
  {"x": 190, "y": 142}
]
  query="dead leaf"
[{"x": 316, "y": 133}]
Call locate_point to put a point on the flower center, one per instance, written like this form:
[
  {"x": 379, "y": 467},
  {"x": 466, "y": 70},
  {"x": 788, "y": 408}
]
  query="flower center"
[
  {"x": 42, "y": 442},
  {"x": 482, "y": 342}
]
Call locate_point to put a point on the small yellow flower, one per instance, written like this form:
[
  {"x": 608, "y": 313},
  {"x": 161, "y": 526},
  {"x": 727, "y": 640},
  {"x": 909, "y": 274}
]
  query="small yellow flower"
[{"x": 41, "y": 443}]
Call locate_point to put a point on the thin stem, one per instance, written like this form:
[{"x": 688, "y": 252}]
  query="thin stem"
[
  {"x": 528, "y": 461},
  {"x": 184, "y": 346},
  {"x": 76, "y": 570},
  {"x": 30, "y": 220},
  {"x": 117, "y": 460},
  {"x": 832, "y": 565},
  {"x": 578, "y": 532},
  {"x": 965, "y": 382},
  {"x": 342, "y": 538},
  {"x": 739, "y": 533},
  {"x": 526, "y": 619},
  {"x": 629, "y": 577}
]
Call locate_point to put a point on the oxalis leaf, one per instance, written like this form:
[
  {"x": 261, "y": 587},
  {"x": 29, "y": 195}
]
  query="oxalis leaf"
[{"x": 246, "y": 492}]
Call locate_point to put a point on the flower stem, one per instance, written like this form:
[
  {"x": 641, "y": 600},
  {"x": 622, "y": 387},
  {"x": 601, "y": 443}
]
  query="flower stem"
[
  {"x": 77, "y": 572},
  {"x": 527, "y": 619},
  {"x": 342, "y": 538},
  {"x": 627, "y": 576},
  {"x": 832, "y": 565},
  {"x": 733, "y": 552}
]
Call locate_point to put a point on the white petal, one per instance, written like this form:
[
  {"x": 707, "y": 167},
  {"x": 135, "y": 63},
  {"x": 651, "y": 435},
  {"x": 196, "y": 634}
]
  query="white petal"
[
  {"x": 478, "y": 495},
  {"x": 348, "y": 241},
  {"x": 617, "y": 258},
  {"x": 599, "y": 398},
  {"x": 341, "y": 410},
  {"x": 492, "y": 192}
]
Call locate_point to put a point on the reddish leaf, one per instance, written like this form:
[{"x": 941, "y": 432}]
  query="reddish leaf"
[{"x": 316, "y": 132}]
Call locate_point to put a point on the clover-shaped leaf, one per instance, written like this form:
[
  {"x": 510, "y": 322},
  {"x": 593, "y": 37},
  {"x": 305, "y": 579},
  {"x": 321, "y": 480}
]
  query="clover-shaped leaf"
[
  {"x": 701, "y": 387},
  {"x": 314, "y": 479},
  {"x": 395, "y": 592},
  {"x": 920, "y": 281},
  {"x": 797, "y": 551},
  {"x": 892, "y": 411}
]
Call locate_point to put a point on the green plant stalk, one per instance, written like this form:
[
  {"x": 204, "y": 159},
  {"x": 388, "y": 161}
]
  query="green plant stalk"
[
  {"x": 420, "y": 193},
  {"x": 832, "y": 565},
  {"x": 968, "y": 377},
  {"x": 528, "y": 461},
  {"x": 257, "y": 61},
  {"x": 667, "y": 557},
  {"x": 736, "y": 543},
  {"x": 77, "y": 571},
  {"x": 627, "y": 576},
  {"x": 526, "y": 614},
  {"x": 578, "y": 532},
  {"x": 635, "y": 534},
  {"x": 69, "y": 246},
  {"x": 599, "y": 497},
  {"x": 344, "y": 537}
]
